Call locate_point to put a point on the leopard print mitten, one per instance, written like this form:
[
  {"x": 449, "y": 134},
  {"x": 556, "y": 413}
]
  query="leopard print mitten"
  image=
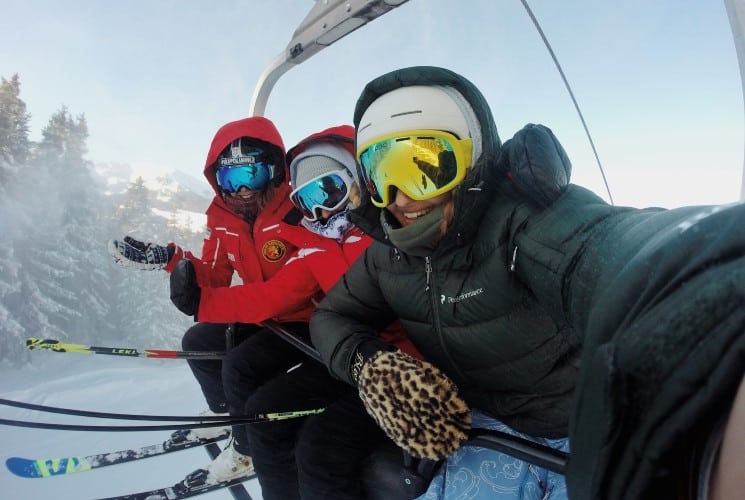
[{"x": 416, "y": 405}]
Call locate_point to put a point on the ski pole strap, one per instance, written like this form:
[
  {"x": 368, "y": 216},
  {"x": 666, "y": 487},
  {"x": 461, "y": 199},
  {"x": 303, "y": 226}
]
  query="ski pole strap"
[
  {"x": 59, "y": 346},
  {"x": 529, "y": 451},
  {"x": 245, "y": 420}
]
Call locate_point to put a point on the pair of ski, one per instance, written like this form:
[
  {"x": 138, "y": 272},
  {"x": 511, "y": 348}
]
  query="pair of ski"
[{"x": 194, "y": 484}]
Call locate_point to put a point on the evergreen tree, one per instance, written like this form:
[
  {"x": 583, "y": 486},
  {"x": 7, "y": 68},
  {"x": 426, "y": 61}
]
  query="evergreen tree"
[
  {"x": 135, "y": 213},
  {"x": 56, "y": 278},
  {"x": 180, "y": 230},
  {"x": 12, "y": 330},
  {"x": 147, "y": 316},
  {"x": 14, "y": 150},
  {"x": 64, "y": 280},
  {"x": 14, "y": 141},
  {"x": 64, "y": 138}
]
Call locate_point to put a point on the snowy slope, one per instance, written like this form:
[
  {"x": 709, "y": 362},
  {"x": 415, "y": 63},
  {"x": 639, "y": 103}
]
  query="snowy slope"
[{"x": 98, "y": 383}]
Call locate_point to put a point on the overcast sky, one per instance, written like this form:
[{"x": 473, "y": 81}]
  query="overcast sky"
[{"x": 658, "y": 82}]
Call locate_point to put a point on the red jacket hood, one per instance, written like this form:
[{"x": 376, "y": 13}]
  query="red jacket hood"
[
  {"x": 343, "y": 134},
  {"x": 256, "y": 127}
]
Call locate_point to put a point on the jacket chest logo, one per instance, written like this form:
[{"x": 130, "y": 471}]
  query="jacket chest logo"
[
  {"x": 273, "y": 250},
  {"x": 463, "y": 296}
]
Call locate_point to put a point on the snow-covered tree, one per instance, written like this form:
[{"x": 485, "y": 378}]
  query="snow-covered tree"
[
  {"x": 14, "y": 142},
  {"x": 14, "y": 150},
  {"x": 65, "y": 289},
  {"x": 12, "y": 331},
  {"x": 56, "y": 278},
  {"x": 143, "y": 305},
  {"x": 64, "y": 138}
]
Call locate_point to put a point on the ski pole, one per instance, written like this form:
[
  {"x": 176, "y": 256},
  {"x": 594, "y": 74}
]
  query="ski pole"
[
  {"x": 98, "y": 414},
  {"x": 541, "y": 455},
  {"x": 59, "y": 346},
  {"x": 292, "y": 338},
  {"x": 246, "y": 420}
]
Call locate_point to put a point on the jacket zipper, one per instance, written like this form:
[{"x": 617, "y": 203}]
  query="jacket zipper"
[
  {"x": 430, "y": 287},
  {"x": 428, "y": 271}
]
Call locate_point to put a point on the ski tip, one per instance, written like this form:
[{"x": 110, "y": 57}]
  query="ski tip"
[{"x": 22, "y": 467}]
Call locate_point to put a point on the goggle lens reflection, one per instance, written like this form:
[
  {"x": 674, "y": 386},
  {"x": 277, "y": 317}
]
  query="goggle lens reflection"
[{"x": 423, "y": 164}]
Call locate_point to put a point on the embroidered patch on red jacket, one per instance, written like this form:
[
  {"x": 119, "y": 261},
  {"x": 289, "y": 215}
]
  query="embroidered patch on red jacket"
[{"x": 273, "y": 250}]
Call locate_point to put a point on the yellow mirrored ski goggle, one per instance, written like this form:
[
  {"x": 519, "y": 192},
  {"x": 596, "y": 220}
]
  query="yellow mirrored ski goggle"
[{"x": 421, "y": 163}]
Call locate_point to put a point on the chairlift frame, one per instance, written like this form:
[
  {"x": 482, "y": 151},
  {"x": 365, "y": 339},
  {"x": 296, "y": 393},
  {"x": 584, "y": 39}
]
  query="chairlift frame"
[
  {"x": 330, "y": 20},
  {"x": 736, "y": 14},
  {"x": 326, "y": 23}
]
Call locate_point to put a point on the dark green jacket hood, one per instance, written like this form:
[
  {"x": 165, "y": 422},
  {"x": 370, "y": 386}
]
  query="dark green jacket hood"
[{"x": 479, "y": 186}]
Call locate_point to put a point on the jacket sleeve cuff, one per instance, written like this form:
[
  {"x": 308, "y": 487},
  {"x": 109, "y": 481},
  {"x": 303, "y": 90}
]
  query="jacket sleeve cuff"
[
  {"x": 178, "y": 254},
  {"x": 363, "y": 352}
]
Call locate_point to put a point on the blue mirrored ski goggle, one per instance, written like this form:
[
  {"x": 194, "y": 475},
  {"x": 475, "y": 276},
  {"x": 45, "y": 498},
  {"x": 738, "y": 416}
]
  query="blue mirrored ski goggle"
[
  {"x": 254, "y": 176},
  {"x": 328, "y": 191}
]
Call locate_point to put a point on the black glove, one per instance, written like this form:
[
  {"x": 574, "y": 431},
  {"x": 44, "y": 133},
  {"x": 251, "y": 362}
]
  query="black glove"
[
  {"x": 416, "y": 405},
  {"x": 140, "y": 255},
  {"x": 536, "y": 163},
  {"x": 185, "y": 291}
]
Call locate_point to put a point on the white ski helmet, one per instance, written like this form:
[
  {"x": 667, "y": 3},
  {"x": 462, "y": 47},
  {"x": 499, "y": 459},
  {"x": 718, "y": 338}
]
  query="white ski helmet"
[{"x": 416, "y": 107}]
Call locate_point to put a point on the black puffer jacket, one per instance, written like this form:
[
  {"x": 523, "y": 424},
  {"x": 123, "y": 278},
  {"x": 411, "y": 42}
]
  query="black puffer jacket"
[
  {"x": 658, "y": 297},
  {"x": 655, "y": 298},
  {"x": 461, "y": 306}
]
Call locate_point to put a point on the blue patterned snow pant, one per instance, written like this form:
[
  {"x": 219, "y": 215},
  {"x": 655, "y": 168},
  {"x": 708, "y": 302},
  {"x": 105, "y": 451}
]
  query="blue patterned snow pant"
[{"x": 477, "y": 473}]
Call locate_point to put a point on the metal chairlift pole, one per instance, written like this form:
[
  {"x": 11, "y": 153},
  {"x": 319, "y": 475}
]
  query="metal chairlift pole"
[
  {"x": 327, "y": 22},
  {"x": 736, "y": 14}
]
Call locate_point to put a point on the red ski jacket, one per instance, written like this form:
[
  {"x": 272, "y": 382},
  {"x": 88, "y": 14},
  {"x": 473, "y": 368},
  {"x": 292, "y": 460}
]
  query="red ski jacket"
[
  {"x": 255, "y": 252},
  {"x": 311, "y": 271},
  {"x": 303, "y": 280}
]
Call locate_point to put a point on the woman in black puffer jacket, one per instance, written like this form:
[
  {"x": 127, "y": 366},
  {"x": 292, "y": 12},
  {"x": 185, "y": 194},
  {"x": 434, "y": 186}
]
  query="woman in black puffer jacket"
[{"x": 551, "y": 311}]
